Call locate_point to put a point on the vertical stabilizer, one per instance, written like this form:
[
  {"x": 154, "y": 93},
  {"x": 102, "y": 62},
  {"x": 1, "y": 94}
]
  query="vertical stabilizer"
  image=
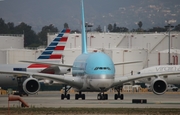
[
  {"x": 54, "y": 52},
  {"x": 84, "y": 39},
  {"x": 55, "y": 49}
]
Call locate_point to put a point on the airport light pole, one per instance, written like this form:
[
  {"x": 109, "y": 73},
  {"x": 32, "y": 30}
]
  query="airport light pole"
[{"x": 169, "y": 26}]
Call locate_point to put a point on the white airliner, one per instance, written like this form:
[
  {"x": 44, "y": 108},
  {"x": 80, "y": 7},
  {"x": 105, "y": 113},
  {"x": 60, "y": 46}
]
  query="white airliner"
[
  {"x": 91, "y": 72},
  {"x": 53, "y": 53},
  {"x": 166, "y": 79}
]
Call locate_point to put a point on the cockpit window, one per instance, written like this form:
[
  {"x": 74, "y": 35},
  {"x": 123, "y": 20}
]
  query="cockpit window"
[
  {"x": 96, "y": 68},
  {"x": 102, "y": 68},
  {"x": 139, "y": 72}
]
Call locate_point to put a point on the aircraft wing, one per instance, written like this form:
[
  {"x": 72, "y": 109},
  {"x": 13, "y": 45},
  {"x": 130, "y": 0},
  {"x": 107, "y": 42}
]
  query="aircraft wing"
[
  {"x": 67, "y": 79},
  {"x": 48, "y": 63},
  {"x": 130, "y": 62},
  {"x": 118, "y": 81}
]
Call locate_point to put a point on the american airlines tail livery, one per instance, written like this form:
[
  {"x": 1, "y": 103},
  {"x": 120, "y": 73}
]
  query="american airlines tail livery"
[
  {"x": 53, "y": 53},
  {"x": 91, "y": 72}
]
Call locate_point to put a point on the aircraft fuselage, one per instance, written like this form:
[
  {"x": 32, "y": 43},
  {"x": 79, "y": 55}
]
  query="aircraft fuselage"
[
  {"x": 9, "y": 80},
  {"x": 170, "y": 79},
  {"x": 96, "y": 71}
]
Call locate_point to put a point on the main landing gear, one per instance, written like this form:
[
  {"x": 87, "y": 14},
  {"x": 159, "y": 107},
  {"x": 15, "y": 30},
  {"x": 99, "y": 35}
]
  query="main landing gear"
[
  {"x": 20, "y": 81},
  {"x": 65, "y": 95},
  {"x": 80, "y": 95},
  {"x": 77, "y": 96},
  {"x": 116, "y": 96}
]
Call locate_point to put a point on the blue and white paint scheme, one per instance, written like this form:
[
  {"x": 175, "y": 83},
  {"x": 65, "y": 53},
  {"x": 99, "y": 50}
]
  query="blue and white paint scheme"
[
  {"x": 93, "y": 72},
  {"x": 96, "y": 68}
]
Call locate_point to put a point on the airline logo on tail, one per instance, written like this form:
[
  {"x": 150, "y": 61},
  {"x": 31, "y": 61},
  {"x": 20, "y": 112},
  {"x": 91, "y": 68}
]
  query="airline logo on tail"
[
  {"x": 56, "y": 47},
  {"x": 54, "y": 51}
]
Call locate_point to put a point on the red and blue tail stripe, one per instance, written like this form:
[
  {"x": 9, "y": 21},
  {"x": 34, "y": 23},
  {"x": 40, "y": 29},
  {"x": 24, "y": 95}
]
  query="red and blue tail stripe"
[
  {"x": 54, "y": 51},
  {"x": 56, "y": 47}
]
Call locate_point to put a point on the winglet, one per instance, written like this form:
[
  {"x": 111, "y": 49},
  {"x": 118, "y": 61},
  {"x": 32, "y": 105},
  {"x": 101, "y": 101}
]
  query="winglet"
[{"x": 84, "y": 39}]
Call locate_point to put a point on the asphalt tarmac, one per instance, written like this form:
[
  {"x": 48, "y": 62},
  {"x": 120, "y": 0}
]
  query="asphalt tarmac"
[{"x": 53, "y": 99}]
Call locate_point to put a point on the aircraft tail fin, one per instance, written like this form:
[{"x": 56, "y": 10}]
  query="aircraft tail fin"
[
  {"x": 84, "y": 39},
  {"x": 54, "y": 52},
  {"x": 55, "y": 49}
]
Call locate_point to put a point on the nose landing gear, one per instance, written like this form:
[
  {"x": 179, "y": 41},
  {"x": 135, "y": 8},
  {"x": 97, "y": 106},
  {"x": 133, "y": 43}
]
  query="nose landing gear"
[{"x": 101, "y": 95}]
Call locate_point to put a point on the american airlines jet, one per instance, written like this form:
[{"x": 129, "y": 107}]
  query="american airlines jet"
[
  {"x": 91, "y": 72},
  {"x": 163, "y": 80},
  {"x": 53, "y": 53}
]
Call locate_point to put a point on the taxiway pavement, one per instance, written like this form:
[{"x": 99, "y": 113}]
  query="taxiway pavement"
[{"x": 53, "y": 99}]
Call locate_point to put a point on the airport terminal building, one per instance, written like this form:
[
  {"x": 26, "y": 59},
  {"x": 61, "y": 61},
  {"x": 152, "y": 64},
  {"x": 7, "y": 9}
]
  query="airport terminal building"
[{"x": 150, "y": 48}]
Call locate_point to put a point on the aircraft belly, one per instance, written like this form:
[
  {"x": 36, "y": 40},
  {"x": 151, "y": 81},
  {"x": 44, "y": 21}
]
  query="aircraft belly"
[{"x": 7, "y": 81}]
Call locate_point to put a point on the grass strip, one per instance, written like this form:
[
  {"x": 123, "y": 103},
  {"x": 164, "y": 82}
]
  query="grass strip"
[{"x": 144, "y": 111}]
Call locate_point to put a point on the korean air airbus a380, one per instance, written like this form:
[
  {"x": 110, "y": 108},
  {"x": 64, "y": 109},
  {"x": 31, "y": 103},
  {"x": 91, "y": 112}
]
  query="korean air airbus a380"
[
  {"x": 53, "y": 53},
  {"x": 91, "y": 72}
]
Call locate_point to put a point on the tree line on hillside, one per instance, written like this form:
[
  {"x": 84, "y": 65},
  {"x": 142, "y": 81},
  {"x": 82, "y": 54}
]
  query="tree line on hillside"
[
  {"x": 114, "y": 28},
  {"x": 33, "y": 39}
]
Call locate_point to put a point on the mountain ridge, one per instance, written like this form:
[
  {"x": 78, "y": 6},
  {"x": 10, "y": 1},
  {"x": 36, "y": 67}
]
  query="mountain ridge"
[{"x": 125, "y": 13}]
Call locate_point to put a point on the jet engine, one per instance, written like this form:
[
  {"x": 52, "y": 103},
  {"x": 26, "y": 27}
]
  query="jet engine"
[
  {"x": 48, "y": 82},
  {"x": 31, "y": 86},
  {"x": 63, "y": 70},
  {"x": 158, "y": 86}
]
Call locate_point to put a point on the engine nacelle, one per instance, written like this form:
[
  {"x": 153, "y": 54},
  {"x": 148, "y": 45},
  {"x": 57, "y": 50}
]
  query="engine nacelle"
[
  {"x": 48, "y": 82},
  {"x": 63, "y": 70},
  {"x": 31, "y": 86},
  {"x": 159, "y": 86}
]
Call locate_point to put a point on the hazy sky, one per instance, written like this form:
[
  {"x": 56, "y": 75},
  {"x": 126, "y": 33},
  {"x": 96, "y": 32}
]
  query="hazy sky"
[{"x": 38, "y": 13}]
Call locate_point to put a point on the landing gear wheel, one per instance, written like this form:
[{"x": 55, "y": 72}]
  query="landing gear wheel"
[
  {"x": 80, "y": 95},
  {"x": 83, "y": 96},
  {"x": 106, "y": 96},
  {"x": 76, "y": 96},
  {"x": 65, "y": 95},
  {"x": 116, "y": 96},
  {"x": 99, "y": 96},
  {"x": 102, "y": 96},
  {"x": 62, "y": 96},
  {"x": 122, "y": 97},
  {"x": 68, "y": 96}
]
